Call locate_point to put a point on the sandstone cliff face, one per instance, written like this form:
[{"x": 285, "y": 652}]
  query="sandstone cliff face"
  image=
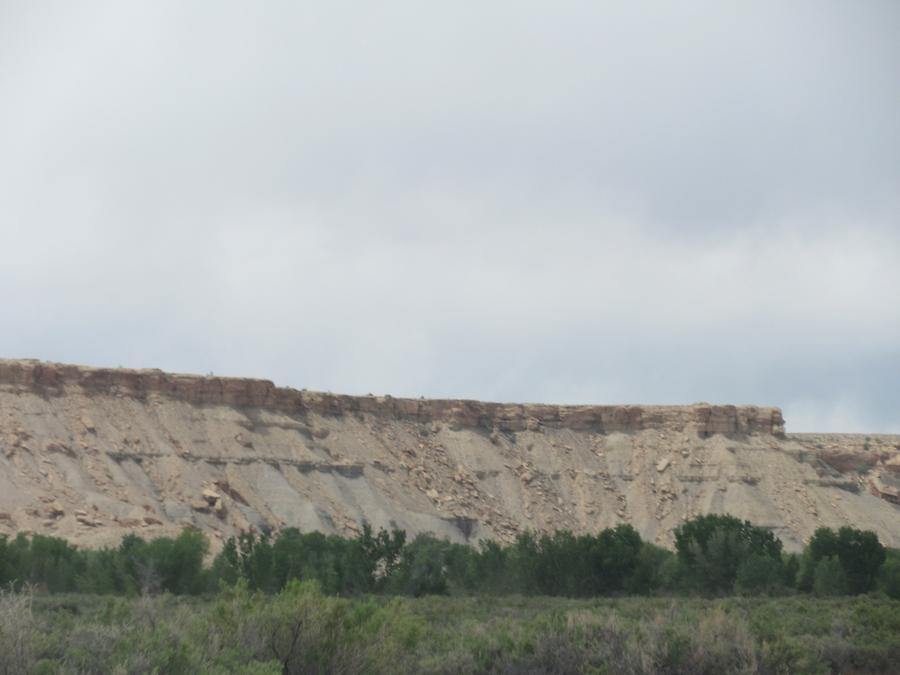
[
  {"x": 90, "y": 454},
  {"x": 53, "y": 379}
]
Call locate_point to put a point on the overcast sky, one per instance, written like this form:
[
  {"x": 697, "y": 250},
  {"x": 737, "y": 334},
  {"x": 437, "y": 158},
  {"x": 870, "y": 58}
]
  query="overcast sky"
[{"x": 570, "y": 202}]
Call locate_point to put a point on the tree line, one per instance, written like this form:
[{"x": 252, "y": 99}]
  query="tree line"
[{"x": 714, "y": 555}]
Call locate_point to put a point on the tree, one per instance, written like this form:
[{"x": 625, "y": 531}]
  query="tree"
[
  {"x": 382, "y": 553},
  {"x": 712, "y": 547},
  {"x": 255, "y": 555},
  {"x": 53, "y": 562},
  {"x": 523, "y": 557},
  {"x": 617, "y": 553},
  {"x": 859, "y": 552},
  {"x": 791, "y": 570},
  {"x": 6, "y": 572},
  {"x": 759, "y": 574},
  {"x": 422, "y": 568},
  {"x": 557, "y": 562},
  {"x": 861, "y": 556},
  {"x": 493, "y": 568},
  {"x": 829, "y": 577},
  {"x": 649, "y": 570},
  {"x": 105, "y": 572},
  {"x": 185, "y": 568},
  {"x": 890, "y": 576},
  {"x": 226, "y": 567},
  {"x": 176, "y": 564},
  {"x": 295, "y": 555}
]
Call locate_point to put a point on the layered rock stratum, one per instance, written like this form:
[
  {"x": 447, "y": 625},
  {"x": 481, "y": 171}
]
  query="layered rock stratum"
[{"x": 90, "y": 454}]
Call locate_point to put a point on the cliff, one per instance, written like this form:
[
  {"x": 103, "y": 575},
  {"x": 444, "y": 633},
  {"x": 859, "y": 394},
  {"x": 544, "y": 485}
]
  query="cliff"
[
  {"x": 90, "y": 453},
  {"x": 55, "y": 380}
]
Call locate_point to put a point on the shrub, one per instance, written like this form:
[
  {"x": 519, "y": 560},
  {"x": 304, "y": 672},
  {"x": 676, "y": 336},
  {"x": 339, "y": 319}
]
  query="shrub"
[
  {"x": 304, "y": 631},
  {"x": 17, "y": 628}
]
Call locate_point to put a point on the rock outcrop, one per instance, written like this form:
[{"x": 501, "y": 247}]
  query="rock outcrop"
[
  {"x": 90, "y": 453},
  {"x": 54, "y": 379}
]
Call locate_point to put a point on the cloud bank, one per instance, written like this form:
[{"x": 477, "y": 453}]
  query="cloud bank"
[{"x": 558, "y": 202}]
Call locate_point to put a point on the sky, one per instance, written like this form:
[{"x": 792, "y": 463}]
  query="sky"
[{"x": 561, "y": 202}]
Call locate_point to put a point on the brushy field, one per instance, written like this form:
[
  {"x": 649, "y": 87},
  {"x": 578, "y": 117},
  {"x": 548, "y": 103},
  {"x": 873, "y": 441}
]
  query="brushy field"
[{"x": 301, "y": 630}]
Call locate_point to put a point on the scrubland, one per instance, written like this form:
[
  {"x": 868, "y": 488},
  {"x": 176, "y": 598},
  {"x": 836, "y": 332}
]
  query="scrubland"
[{"x": 727, "y": 600}]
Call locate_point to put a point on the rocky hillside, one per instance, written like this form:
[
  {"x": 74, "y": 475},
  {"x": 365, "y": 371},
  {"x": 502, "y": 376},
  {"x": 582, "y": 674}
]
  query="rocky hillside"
[{"x": 91, "y": 454}]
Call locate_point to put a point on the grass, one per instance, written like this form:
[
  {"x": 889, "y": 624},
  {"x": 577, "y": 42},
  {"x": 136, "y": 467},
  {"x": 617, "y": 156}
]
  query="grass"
[{"x": 303, "y": 631}]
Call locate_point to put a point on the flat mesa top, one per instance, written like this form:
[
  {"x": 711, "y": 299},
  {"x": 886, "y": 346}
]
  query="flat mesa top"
[{"x": 55, "y": 378}]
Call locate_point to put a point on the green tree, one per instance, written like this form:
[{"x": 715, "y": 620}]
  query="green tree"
[
  {"x": 712, "y": 547},
  {"x": 791, "y": 570},
  {"x": 382, "y": 553},
  {"x": 889, "y": 576},
  {"x": 859, "y": 552},
  {"x": 105, "y": 572},
  {"x": 303, "y": 556},
  {"x": 759, "y": 574},
  {"x": 829, "y": 577},
  {"x": 256, "y": 561},
  {"x": 422, "y": 568},
  {"x": 177, "y": 563},
  {"x": 615, "y": 555},
  {"x": 522, "y": 557},
  {"x": 560, "y": 568},
  {"x": 54, "y": 563},
  {"x": 493, "y": 568},
  {"x": 649, "y": 573},
  {"x": 6, "y": 569},
  {"x": 226, "y": 566}
]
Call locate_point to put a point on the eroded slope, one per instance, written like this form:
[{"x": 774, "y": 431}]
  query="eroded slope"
[{"x": 89, "y": 454}]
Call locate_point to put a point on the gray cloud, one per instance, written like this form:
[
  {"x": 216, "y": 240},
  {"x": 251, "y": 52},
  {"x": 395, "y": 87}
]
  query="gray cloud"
[{"x": 562, "y": 202}]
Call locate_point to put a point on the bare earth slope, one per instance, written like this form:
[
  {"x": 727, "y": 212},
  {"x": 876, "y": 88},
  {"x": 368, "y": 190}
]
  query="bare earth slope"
[{"x": 91, "y": 454}]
